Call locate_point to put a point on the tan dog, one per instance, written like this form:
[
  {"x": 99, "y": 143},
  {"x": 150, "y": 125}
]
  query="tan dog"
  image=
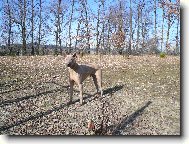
[{"x": 78, "y": 73}]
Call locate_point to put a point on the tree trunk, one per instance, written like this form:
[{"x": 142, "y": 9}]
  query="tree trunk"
[
  {"x": 9, "y": 29},
  {"x": 142, "y": 29},
  {"x": 130, "y": 35},
  {"x": 162, "y": 38},
  {"x": 58, "y": 27},
  {"x": 177, "y": 36},
  {"x": 40, "y": 24},
  {"x": 56, "y": 48},
  {"x": 103, "y": 25},
  {"x": 78, "y": 28},
  {"x": 142, "y": 34},
  {"x": 109, "y": 49},
  {"x": 60, "y": 42},
  {"x": 168, "y": 28},
  {"x": 87, "y": 26},
  {"x": 155, "y": 19},
  {"x": 138, "y": 29},
  {"x": 32, "y": 28},
  {"x": 24, "y": 30},
  {"x": 97, "y": 30},
  {"x": 58, "y": 31},
  {"x": 69, "y": 32}
]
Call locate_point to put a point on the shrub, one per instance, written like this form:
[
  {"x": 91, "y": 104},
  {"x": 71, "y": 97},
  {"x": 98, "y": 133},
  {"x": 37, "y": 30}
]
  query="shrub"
[{"x": 162, "y": 55}]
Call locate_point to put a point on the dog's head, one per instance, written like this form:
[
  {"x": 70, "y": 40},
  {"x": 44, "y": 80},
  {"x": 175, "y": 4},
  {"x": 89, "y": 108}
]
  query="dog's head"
[{"x": 70, "y": 60}]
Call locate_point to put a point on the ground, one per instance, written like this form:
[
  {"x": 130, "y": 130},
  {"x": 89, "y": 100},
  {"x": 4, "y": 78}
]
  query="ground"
[{"x": 141, "y": 96}]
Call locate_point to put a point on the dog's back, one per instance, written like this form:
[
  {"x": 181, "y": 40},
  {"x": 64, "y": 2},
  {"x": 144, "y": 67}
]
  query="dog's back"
[{"x": 83, "y": 71}]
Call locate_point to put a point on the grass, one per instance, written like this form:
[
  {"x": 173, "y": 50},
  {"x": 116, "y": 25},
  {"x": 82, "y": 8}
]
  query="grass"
[{"x": 39, "y": 86}]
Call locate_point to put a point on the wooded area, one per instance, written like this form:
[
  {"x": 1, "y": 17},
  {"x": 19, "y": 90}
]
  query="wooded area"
[{"x": 40, "y": 27}]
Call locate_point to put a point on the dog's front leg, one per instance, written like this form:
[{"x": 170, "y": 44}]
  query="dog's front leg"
[
  {"x": 81, "y": 93},
  {"x": 71, "y": 90}
]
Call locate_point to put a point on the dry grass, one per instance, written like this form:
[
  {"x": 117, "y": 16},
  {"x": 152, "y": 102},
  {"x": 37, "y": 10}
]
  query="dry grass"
[{"x": 141, "y": 95}]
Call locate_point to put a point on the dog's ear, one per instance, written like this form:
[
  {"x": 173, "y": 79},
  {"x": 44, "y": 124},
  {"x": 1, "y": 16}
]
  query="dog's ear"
[{"x": 74, "y": 55}]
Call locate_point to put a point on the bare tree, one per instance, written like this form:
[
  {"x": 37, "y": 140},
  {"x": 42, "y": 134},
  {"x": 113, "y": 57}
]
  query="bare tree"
[
  {"x": 7, "y": 23},
  {"x": 170, "y": 16},
  {"x": 84, "y": 3},
  {"x": 155, "y": 20},
  {"x": 108, "y": 29},
  {"x": 162, "y": 5},
  {"x": 43, "y": 26},
  {"x": 20, "y": 10},
  {"x": 130, "y": 34},
  {"x": 58, "y": 31},
  {"x": 58, "y": 10},
  {"x": 39, "y": 28},
  {"x": 70, "y": 24},
  {"x": 32, "y": 28},
  {"x": 97, "y": 29},
  {"x": 102, "y": 37},
  {"x": 77, "y": 35},
  {"x": 177, "y": 12},
  {"x": 142, "y": 23},
  {"x": 108, "y": 34},
  {"x": 138, "y": 24},
  {"x": 20, "y": 17},
  {"x": 84, "y": 27},
  {"x": 168, "y": 27},
  {"x": 100, "y": 25}
]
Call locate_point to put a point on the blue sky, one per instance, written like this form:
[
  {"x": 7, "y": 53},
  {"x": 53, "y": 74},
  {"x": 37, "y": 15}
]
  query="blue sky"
[{"x": 94, "y": 6}]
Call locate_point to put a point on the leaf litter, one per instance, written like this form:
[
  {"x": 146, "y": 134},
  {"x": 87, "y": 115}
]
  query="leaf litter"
[{"x": 34, "y": 92}]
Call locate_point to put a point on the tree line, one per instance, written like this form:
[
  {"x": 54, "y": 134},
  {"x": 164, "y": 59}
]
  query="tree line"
[{"x": 98, "y": 26}]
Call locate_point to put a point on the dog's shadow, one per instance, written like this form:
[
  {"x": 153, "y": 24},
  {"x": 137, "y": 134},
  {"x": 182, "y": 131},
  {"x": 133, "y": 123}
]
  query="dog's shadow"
[{"x": 113, "y": 89}]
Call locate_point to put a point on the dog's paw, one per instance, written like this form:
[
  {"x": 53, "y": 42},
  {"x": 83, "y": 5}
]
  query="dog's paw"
[
  {"x": 78, "y": 104},
  {"x": 97, "y": 95},
  {"x": 82, "y": 103}
]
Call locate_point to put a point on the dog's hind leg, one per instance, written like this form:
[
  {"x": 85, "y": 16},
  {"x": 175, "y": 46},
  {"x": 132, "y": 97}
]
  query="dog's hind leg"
[
  {"x": 95, "y": 82},
  {"x": 98, "y": 75}
]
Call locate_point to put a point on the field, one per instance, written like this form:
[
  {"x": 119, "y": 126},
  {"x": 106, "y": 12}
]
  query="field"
[{"x": 141, "y": 96}]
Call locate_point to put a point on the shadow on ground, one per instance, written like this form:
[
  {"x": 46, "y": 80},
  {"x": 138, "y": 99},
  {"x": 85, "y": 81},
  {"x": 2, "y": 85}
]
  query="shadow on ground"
[
  {"x": 41, "y": 114},
  {"x": 123, "y": 125}
]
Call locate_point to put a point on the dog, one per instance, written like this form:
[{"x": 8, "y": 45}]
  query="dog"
[{"x": 78, "y": 73}]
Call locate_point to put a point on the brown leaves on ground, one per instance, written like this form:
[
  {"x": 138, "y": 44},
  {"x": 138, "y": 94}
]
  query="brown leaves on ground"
[{"x": 34, "y": 92}]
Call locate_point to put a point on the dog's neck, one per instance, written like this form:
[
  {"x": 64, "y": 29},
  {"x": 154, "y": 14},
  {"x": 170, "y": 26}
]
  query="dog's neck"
[{"x": 74, "y": 66}]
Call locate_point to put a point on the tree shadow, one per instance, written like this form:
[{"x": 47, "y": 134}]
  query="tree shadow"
[
  {"x": 9, "y": 83},
  {"x": 57, "y": 108},
  {"x": 16, "y": 89},
  {"x": 127, "y": 120},
  {"x": 62, "y": 88},
  {"x": 7, "y": 102}
]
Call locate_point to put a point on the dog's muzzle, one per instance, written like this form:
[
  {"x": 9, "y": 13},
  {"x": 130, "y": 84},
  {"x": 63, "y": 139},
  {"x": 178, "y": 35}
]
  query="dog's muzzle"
[{"x": 68, "y": 65}]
